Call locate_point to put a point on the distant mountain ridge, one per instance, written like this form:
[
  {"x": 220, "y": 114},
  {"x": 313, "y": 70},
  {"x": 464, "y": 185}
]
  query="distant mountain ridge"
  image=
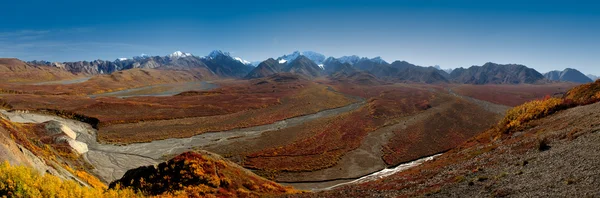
[
  {"x": 311, "y": 64},
  {"x": 568, "y": 75},
  {"x": 218, "y": 62}
]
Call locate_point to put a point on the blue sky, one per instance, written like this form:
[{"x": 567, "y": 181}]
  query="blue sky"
[{"x": 545, "y": 35}]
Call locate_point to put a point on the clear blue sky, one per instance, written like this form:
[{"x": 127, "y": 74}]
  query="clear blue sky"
[{"x": 545, "y": 35}]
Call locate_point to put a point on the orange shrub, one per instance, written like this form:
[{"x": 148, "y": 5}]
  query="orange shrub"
[{"x": 584, "y": 94}]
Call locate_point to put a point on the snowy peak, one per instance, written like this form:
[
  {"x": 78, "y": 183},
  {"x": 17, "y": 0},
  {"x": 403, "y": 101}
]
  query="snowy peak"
[
  {"x": 313, "y": 56},
  {"x": 142, "y": 56},
  {"x": 216, "y": 53},
  {"x": 179, "y": 54}
]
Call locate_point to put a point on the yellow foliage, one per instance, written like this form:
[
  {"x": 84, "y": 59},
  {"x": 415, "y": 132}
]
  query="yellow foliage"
[
  {"x": 516, "y": 117},
  {"x": 90, "y": 179},
  {"x": 21, "y": 181}
]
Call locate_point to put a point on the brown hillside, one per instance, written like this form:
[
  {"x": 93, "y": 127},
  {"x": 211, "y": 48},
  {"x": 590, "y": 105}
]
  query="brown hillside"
[{"x": 14, "y": 70}]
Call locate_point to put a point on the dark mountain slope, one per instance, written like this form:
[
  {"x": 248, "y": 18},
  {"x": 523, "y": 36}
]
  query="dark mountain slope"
[
  {"x": 332, "y": 66},
  {"x": 266, "y": 68},
  {"x": 492, "y": 73},
  {"x": 304, "y": 67},
  {"x": 413, "y": 73},
  {"x": 568, "y": 75}
]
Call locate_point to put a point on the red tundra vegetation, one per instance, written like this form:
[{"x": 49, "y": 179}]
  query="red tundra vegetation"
[
  {"x": 234, "y": 104},
  {"x": 326, "y": 140}
]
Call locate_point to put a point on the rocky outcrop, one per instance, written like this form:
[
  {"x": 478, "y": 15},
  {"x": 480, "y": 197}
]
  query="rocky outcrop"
[{"x": 62, "y": 134}]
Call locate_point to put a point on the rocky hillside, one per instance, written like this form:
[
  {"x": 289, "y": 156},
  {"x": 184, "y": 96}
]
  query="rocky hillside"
[
  {"x": 198, "y": 174},
  {"x": 568, "y": 75},
  {"x": 492, "y": 73}
]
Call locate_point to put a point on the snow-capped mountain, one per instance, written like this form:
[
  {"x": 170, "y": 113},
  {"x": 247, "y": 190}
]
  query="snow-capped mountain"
[
  {"x": 593, "y": 77},
  {"x": 179, "y": 54},
  {"x": 349, "y": 59},
  {"x": 223, "y": 64},
  {"x": 313, "y": 56}
]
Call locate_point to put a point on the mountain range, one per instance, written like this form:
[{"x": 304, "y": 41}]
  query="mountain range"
[
  {"x": 311, "y": 64},
  {"x": 218, "y": 62}
]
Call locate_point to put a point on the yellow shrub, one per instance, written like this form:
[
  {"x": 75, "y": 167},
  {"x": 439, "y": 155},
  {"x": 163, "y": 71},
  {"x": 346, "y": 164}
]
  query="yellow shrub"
[{"x": 22, "y": 181}]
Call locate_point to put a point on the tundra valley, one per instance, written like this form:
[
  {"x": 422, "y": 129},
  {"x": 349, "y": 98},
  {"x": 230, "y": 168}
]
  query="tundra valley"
[{"x": 294, "y": 124}]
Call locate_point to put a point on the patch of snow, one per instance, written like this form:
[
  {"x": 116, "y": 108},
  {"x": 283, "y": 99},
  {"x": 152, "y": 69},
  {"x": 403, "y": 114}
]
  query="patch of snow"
[
  {"x": 245, "y": 62},
  {"x": 122, "y": 59},
  {"x": 321, "y": 66},
  {"x": 281, "y": 61}
]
